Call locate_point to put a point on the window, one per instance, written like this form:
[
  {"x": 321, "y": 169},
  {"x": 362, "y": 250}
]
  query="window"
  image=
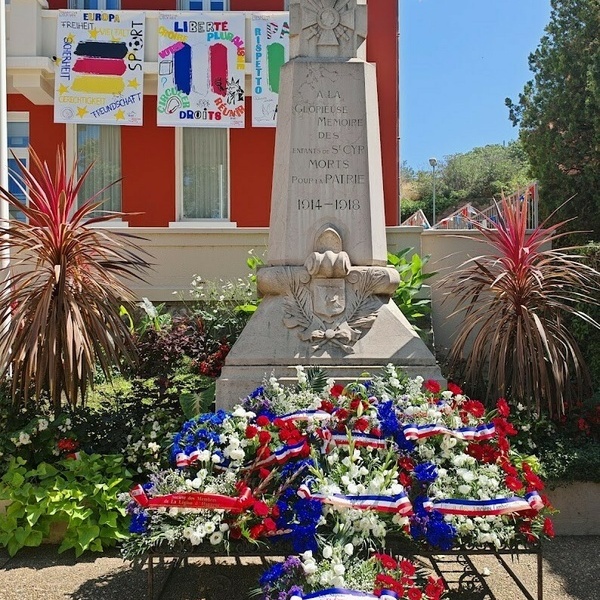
[
  {"x": 101, "y": 145},
  {"x": 203, "y": 174},
  {"x": 18, "y": 144},
  {"x": 202, "y": 4},
  {"x": 95, "y": 4}
]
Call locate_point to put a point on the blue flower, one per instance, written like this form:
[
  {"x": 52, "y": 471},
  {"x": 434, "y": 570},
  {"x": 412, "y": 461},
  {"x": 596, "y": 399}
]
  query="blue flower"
[
  {"x": 139, "y": 522},
  {"x": 426, "y": 472}
]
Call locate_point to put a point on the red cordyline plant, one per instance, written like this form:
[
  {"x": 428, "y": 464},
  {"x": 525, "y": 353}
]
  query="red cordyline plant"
[
  {"x": 513, "y": 302},
  {"x": 59, "y": 307}
]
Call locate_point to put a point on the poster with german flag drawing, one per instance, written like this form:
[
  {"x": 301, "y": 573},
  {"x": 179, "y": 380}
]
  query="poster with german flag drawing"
[
  {"x": 201, "y": 69},
  {"x": 100, "y": 67},
  {"x": 270, "y": 50}
]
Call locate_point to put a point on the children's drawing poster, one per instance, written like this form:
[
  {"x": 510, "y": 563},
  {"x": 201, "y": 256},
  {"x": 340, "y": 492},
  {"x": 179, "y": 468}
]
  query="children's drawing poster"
[
  {"x": 270, "y": 35},
  {"x": 100, "y": 67},
  {"x": 201, "y": 69}
]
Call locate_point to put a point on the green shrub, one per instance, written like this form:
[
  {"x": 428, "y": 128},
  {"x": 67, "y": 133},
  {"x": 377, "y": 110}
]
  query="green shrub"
[{"x": 80, "y": 493}]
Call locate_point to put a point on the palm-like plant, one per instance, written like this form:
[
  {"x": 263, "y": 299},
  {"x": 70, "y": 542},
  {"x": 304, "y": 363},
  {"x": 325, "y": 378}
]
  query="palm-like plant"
[
  {"x": 513, "y": 301},
  {"x": 59, "y": 307}
]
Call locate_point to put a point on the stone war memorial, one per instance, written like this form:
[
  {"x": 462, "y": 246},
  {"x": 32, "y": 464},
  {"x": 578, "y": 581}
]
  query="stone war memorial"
[{"x": 326, "y": 290}]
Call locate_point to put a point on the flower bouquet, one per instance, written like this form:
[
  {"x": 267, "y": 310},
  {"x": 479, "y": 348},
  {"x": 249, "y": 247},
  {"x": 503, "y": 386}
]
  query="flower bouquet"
[{"x": 338, "y": 574}]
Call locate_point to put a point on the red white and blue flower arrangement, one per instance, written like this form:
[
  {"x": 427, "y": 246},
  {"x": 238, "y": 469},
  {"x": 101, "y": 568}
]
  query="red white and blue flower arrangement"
[{"x": 335, "y": 471}]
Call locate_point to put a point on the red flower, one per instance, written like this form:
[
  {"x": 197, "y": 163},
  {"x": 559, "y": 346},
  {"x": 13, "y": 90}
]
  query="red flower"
[
  {"x": 533, "y": 481},
  {"x": 260, "y": 509},
  {"x": 414, "y": 594},
  {"x": 263, "y": 473},
  {"x": 337, "y": 390},
  {"x": 264, "y": 437},
  {"x": 474, "y": 407},
  {"x": 262, "y": 421},
  {"x": 549, "y": 527},
  {"x": 376, "y": 431},
  {"x": 342, "y": 414},
  {"x": 503, "y": 408},
  {"x": 235, "y": 533},
  {"x": 433, "y": 386},
  {"x": 386, "y": 580},
  {"x": 269, "y": 524},
  {"x": 256, "y": 531},
  {"x": 405, "y": 480},
  {"x": 503, "y": 427},
  {"x": 406, "y": 463},
  {"x": 67, "y": 445},
  {"x": 327, "y": 406},
  {"x": 361, "y": 424},
  {"x": 407, "y": 567},
  {"x": 452, "y": 387},
  {"x": 251, "y": 431},
  {"x": 387, "y": 561},
  {"x": 513, "y": 483},
  {"x": 435, "y": 588}
]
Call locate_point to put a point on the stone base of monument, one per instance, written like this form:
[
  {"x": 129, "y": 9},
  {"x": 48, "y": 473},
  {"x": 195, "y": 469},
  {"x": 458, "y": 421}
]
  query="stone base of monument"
[{"x": 266, "y": 344}]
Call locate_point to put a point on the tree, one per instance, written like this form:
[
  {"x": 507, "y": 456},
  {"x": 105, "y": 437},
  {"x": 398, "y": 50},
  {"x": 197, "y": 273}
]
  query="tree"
[
  {"x": 558, "y": 113},
  {"x": 477, "y": 176}
]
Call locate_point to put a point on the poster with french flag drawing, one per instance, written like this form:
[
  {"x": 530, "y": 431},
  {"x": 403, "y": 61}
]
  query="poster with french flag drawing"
[
  {"x": 100, "y": 67},
  {"x": 270, "y": 50},
  {"x": 201, "y": 69}
]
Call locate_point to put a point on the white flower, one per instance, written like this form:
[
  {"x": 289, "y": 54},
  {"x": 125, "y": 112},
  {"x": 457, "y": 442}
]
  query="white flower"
[
  {"x": 24, "y": 438},
  {"x": 339, "y": 568},
  {"x": 153, "y": 447},
  {"x": 42, "y": 424},
  {"x": 327, "y": 552},
  {"x": 349, "y": 549},
  {"x": 215, "y": 458},
  {"x": 216, "y": 538},
  {"x": 195, "y": 539}
]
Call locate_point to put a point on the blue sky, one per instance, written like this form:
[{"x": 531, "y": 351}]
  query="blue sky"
[{"x": 459, "y": 60}]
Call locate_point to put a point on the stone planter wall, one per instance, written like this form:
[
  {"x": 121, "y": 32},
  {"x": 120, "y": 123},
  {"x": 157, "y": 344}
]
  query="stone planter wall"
[{"x": 578, "y": 504}]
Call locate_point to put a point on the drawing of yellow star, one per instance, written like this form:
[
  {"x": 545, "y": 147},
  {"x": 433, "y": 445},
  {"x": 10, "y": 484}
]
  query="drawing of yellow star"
[
  {"x": 63, "y": 89},
  {"x": 133, "y": 83},
  {"x": 120, "y": 115},
  {"x": 94, "y": 33},
  {"x": 70, "y": 38},
  {"x": 81, "y": 111}
]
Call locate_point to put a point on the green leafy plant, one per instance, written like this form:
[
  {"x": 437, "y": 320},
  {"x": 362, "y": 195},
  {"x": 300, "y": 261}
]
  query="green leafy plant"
[
  {"x": 412, "y": 279},
  {"x": 513, "y": 302},
  {"x": 60, "y": 306},
  {"x": 82, "y": 494}
]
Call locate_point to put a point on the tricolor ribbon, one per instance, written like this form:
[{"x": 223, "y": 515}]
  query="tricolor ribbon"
[
  {"x": 359, "y": 439},
  {"x": 282, "y": 455},
  {"x": 398, "y": 503},
  {"x": 336, "y": 594},
  {"x": 306, "y": 415},
  {"x": 197, "y": 500},
  {"x": 482, "y": 508},
  {"x": 481, "y": 432}
]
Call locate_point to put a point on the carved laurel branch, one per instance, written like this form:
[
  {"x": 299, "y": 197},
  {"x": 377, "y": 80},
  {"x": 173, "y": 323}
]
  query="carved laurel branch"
[
  {"x": 298, "y": 307},
  {"x": 363, "y": 307}
]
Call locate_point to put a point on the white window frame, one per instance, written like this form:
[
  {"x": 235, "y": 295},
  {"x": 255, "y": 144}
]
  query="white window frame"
[
  {"x": 71, "y": 154},
  {"x": 80, "y": 5},
  {"x": 184, "y": 4},
  {"x": 206, "y": 222},
  {"x": 20, "y": 153}
]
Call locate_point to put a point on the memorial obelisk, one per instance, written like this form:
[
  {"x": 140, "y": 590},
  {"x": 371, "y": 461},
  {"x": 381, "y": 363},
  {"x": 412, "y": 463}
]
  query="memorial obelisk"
[{"x": 326, "y": 288}]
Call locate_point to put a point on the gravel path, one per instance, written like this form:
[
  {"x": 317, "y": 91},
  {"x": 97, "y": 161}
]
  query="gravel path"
[{"x": 571, "y": 572}]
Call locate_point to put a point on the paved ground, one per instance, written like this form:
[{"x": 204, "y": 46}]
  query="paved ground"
[{"x": 571, "y": 572}]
